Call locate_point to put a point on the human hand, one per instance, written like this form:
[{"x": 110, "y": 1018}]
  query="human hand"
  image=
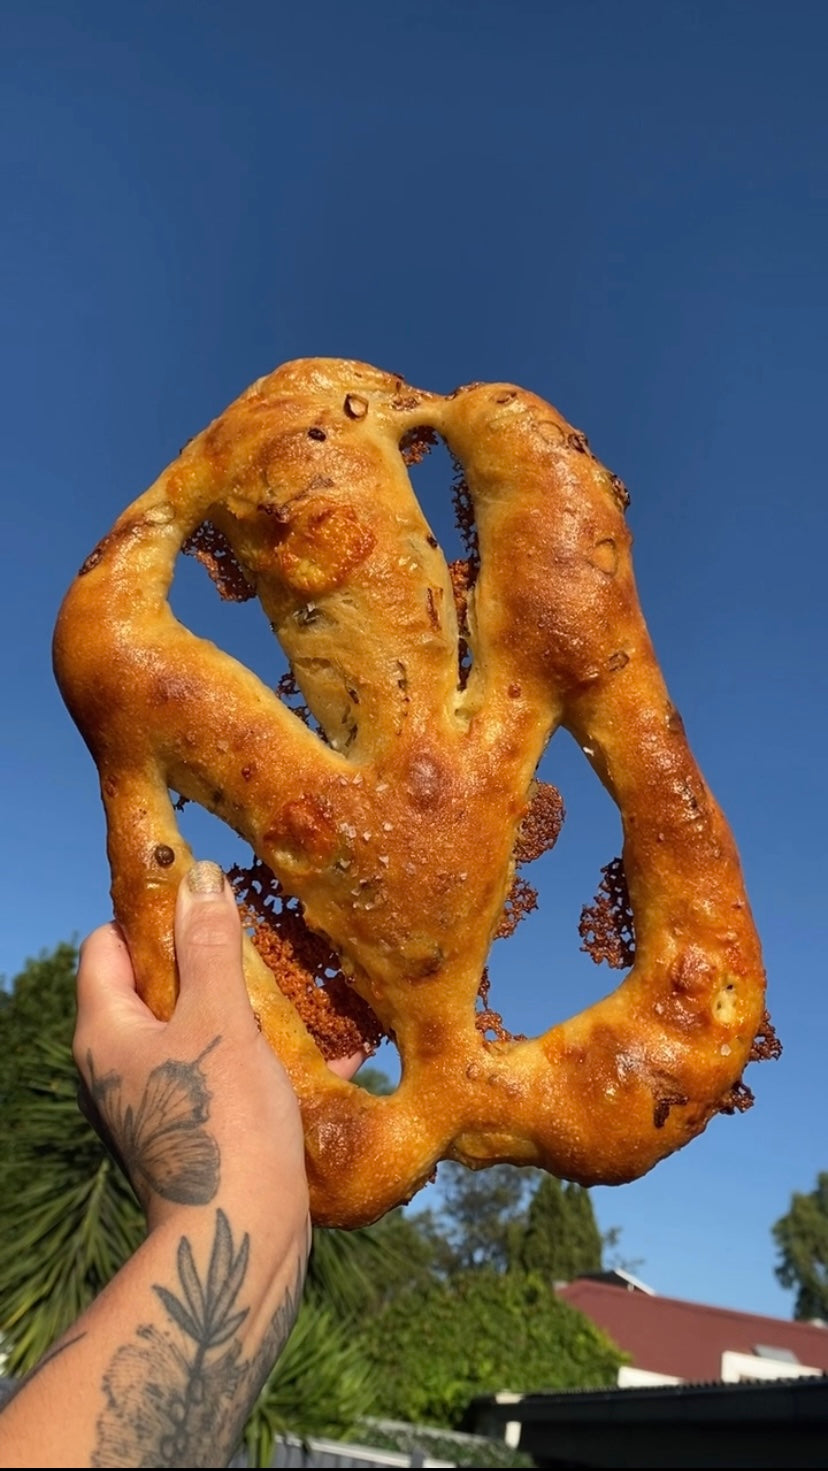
[
  {"x": 185, "y": 1102},
  {"x": 164, "y": 1365}
]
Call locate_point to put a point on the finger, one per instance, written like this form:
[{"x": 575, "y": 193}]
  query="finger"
[
  {"x": 103, "y": 964},
  {"x": 106, "y": 994},
  {"x": 208, "y": 949},
  {"x": 346, "y": 1067}
]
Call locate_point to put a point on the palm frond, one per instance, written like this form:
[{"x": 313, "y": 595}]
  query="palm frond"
[{"x": 68, "y": 1217}]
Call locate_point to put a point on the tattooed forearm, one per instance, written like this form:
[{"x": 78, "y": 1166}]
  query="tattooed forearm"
[
  {"x": 48, "y": 1358},
  {"x": 180, "y": 1396},
  {"x": 261, "y": 1363},
  {"x": 277, "y": 1335},
  {"x": 163, "y": 1144}
]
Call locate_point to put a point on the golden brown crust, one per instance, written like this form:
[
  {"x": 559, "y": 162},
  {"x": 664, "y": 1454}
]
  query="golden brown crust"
[{"x": 398, "y": 832}]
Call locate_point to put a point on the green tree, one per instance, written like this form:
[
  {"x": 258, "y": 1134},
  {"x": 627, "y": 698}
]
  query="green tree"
[
  {"x": 481, "y": 1214},
  {"x": 352, "y": 1272},
  {"x": 39, "y": 1003},
  {"x": 374, "y": 1080},
  {"x": 68, "y": 1217},
  {"x": 561, "y": 1239},
  {"x": 801, "y": 1236},
  {"x": 509, "y": 1217},
  {"x": 434, "y": 1348}
]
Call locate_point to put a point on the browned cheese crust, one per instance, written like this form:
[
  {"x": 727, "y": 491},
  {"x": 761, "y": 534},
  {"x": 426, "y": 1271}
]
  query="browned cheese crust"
[{"x": 388, "y": 836}]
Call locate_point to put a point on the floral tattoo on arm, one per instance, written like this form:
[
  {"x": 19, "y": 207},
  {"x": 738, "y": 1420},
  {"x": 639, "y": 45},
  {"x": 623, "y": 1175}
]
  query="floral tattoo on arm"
[
  {"x": 180, "y": 1396},
  {"x": 161, "y": 1145},
  {"x": 180, "y": 1393}
]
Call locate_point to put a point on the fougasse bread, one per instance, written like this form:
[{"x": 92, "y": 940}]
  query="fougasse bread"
[{"x": 390, "y": 825}]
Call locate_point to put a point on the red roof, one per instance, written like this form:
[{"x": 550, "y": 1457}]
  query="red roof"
[{"x": 687, "y": 1339}]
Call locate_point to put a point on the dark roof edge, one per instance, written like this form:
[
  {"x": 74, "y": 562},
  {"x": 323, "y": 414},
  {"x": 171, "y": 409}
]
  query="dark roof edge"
[{"x": 797, "y": 1398}]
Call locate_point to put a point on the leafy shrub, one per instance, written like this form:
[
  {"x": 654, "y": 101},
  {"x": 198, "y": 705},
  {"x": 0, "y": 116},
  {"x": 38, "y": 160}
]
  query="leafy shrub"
[{"x": 435, "y": 1347}]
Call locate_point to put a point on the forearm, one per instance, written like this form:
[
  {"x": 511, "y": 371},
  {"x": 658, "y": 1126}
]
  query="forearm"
[{"x": 164, "y": 1367}]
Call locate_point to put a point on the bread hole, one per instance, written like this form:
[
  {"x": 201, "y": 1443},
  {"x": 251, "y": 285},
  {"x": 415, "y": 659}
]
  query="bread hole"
[
  {"x": 208, "y": 836},
  {"x": 565, "y": 877},
  {"x": 443, "y": 496},
  {"x": 238, "y": 627},
  {"x": 434, "y": 476}
]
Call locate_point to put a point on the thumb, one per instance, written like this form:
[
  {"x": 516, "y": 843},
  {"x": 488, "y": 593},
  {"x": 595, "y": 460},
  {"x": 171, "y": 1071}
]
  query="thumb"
[{"x": 208, "y": 949}]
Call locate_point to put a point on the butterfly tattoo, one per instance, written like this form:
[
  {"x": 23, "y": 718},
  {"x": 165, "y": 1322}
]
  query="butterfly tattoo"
[{"x": 162, "y": 1144}]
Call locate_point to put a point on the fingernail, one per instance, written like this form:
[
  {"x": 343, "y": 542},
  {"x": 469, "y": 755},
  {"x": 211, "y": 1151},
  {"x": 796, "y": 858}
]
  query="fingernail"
[{"x": 205, "y": 878}]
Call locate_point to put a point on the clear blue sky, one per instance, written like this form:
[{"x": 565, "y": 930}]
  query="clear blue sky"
[{"x": 623, "y": 207}]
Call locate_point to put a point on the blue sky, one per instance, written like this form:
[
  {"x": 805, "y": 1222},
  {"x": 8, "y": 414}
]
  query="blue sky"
[{"x": 621, "y": 207}]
